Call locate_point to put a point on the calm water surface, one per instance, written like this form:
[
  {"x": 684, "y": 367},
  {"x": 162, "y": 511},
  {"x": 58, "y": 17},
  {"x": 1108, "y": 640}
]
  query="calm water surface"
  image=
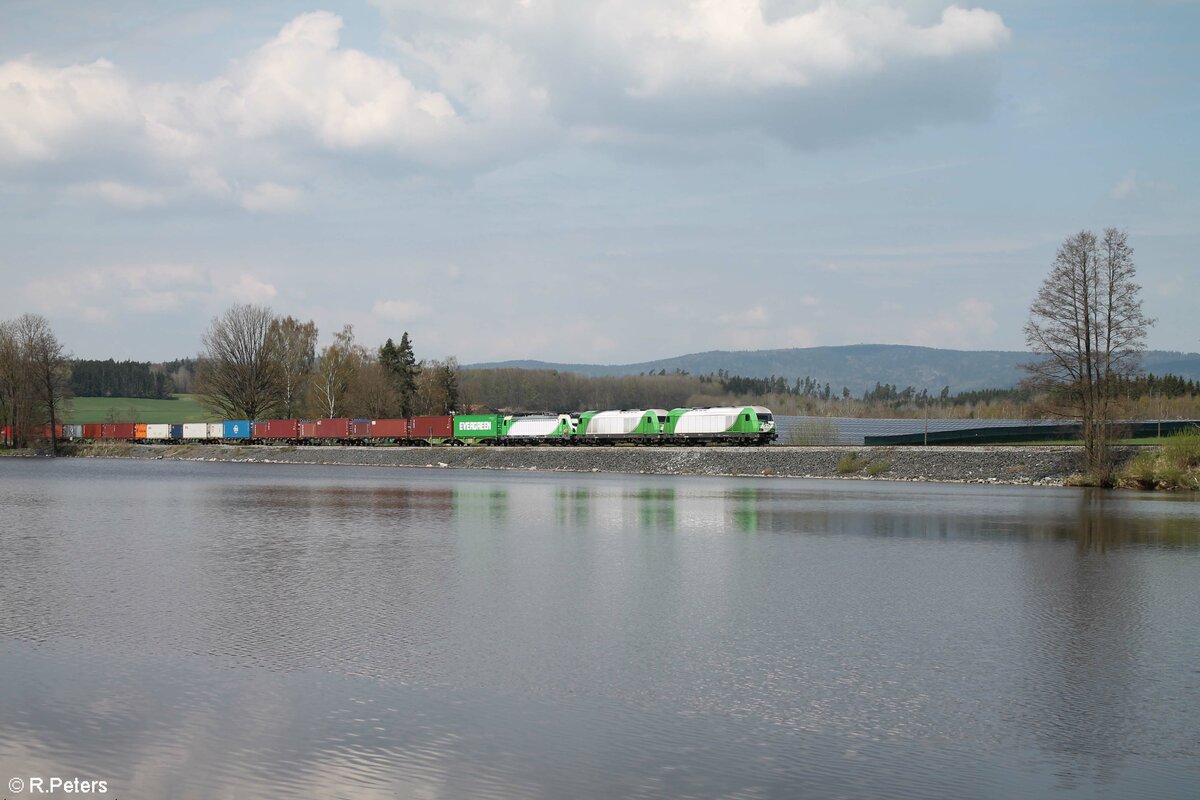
[{"x": 258, "y": 631}]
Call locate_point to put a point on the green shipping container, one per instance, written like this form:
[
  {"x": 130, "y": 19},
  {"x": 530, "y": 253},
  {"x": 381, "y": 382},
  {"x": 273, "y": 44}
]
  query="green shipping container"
[{"x": 477, "y": 426}]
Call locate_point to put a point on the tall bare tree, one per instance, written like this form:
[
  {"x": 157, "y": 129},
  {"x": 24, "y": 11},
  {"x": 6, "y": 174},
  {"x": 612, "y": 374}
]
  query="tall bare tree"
[
  {"x": 1088, "y": 327},
  {"x": 49, "y": 369},
  {"x": 437, "y": 386},
  {"x": 295, "y": 346},
  {"x": 238, "y": 373},
  {"x": 15, "y": 400},
  {"x": 335, "y": 370},
  {"x": 35, "y": 377}
]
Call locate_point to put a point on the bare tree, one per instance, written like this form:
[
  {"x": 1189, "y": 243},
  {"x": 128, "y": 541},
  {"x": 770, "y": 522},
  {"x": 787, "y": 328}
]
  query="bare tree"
[
  {"x": 49, "y": 370},
  {"x": 295, "y": 346},
  {"x": 1088, "y": 326},
  {"x": 335, "y": 370},
  {"x": 238, "y": 373},
  {"x": 373, "y": 393},
  {"x": 35, "y": 377},
  {"x": 15, "y": 401},
  {"x": 437, "y": 386}
]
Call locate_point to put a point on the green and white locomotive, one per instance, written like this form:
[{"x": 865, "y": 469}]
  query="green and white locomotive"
[{"x": 746, "y": 425}]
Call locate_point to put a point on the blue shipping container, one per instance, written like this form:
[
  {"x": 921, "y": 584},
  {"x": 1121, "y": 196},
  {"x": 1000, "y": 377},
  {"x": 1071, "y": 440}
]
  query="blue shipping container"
[
  {"x": 238, "y": 429},
  {"x": 177, "y": 431}
]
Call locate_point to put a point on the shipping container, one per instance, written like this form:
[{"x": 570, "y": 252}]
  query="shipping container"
[
  {"x": 308, "y": 429},
  {"x": 216, "y": 430},
  {"x": 92, "y": 430},
  {"x": 195, "y": 430},
  {"x": 177, "y": 432},
  {"x": 468, "y": 427},
  {"x": 42, "y": 432},
  {"x": 280, "y": 429},
  {"x": 333, "y": 428},
  {"x": 72, "y": 431},
  {"x": 139, "y": 430},
  {"x": 431, "y": 427},
  {"x": 237, "y": 429},
  {"x": 360, "y": 428},
  {"x": 119, "y": 430},
  {"x": 158, "y": 432},
  {"x": 396, "y": 429}
]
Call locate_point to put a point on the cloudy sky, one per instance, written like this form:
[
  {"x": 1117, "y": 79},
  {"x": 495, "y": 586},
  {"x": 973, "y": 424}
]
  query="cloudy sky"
[{"x": 600, "y": 181}]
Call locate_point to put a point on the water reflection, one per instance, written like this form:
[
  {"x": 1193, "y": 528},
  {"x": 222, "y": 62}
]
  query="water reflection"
[{"x": 201, "y": 630}]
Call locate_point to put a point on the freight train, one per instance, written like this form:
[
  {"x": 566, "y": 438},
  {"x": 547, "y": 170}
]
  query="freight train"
[{"x": 746, "y": 425}]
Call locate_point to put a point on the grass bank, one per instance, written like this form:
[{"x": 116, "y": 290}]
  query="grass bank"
[{"x": 1176, "y": 465}]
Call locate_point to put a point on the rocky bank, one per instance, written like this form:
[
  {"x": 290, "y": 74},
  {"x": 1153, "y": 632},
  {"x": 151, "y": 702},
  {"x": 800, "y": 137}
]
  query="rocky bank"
[{"x": 1050, "y": 466}]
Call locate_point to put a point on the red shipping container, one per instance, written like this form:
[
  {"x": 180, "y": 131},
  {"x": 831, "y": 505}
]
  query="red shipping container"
[
  {"x": 119, "y": 430},
  {"x": 308, "y": 429},
  {"x": 277, "y": 429},
  {"x": 42, "y": 432},
  {"x": 431, "y": 427},
  {"x": 360, "y": 428},
  {"x": 93, "y": 430},
  {"x": 333, "y": 428},
  {"x": 388, "y": 429}
]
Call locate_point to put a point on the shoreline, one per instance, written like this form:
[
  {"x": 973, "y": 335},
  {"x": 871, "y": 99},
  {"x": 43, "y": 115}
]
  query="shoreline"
[{"x": 1000, "y": 465}]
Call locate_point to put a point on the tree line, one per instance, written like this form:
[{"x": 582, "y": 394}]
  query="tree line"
[
  {"x": 255, "y": 364},
  {"x": 35, "y": 384},
  {"x": 109, "y": 378}
]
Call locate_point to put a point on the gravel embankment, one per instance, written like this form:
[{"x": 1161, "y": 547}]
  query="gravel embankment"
[{"x": 1016, "y": 465}]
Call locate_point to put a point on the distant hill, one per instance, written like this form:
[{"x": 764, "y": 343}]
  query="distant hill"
[{"x": 860, "y": 366}]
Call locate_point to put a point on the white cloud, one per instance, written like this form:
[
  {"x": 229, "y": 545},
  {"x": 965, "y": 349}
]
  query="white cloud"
[
  {"x": 965, "y": 326},
  {"x": 755, "y": 316},
  {"x": 44, "y": 111},
  {"x": 248, "y": 289},
  {"x": 272, "y": 198},
  {"x": 123, "y": 195},
  {"x": 811, "y": 74},
  {"x": 1125, "y": 187},
  {"x": 401, "y": 310},
  {"x": 343, "y": 98},
  {"x": 684, "y": 46},
  {"x": 477, "y": 83},
  {"x": 97, "y": 294}
]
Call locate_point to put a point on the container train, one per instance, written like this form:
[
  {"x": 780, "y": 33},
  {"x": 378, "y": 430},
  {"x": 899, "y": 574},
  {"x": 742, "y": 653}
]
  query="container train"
[{"x": 746, "y": 425}]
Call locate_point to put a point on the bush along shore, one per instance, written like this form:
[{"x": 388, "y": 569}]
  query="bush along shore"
[{"x": 1043, "y": 465}]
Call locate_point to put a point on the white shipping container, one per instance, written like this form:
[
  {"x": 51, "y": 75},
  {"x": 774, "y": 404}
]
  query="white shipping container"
[
  {"x": 195, "y": 430},
  {"x": 158, "y": 431},
  {"x": 216, "y": 430},
  {"x": 72, "y": 431}
]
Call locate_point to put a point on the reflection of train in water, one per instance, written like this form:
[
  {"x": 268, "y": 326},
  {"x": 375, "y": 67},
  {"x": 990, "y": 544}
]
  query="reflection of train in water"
[{"x": 748, "y": 425}]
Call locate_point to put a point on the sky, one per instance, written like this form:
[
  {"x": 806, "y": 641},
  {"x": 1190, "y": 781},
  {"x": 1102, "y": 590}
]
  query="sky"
[{"x": 608, "y": 181}]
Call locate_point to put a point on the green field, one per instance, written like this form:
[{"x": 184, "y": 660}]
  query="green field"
[{"x": 184, "y": 408}]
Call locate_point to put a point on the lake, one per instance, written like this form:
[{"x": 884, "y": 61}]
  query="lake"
[{"x": 201, "y": 630}]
